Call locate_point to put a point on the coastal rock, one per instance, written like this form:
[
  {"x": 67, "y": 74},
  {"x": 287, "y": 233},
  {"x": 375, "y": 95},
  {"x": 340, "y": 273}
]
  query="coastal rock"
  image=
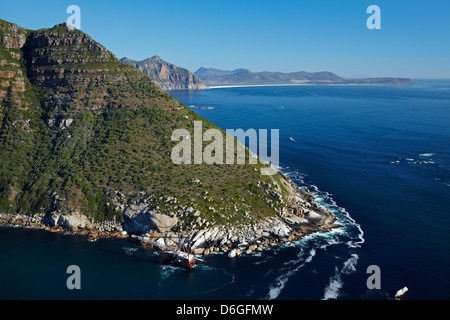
[
  {"x": 161, "y": 242},
  {"x": 314, "y": 216},
  {"x": 197, "y": 236},
  {"x": 52, "y": 219},
  {"x": 139, "y": 218},
  {"x": 293, "y": 219},
  {"x": 162, "y": 222},
  {"x": 211, "y": 236},
  {"x": 281, "y": 230},
  {"x": 198, "y": 251},
  {"x": 73, "y": 221},
  {"x": 199, "y": 242}
]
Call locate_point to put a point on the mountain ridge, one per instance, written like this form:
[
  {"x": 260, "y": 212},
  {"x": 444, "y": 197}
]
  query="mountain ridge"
[
  {"x": 216, "y": 77},
  {"x": 167, "y": 75}
]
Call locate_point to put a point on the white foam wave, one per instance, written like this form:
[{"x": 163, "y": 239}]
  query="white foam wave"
[
  {"x": 349, "y": 266},
  {"x": 280, "y": 282},
  {"x": 167, "y": 270},
  {"x": 312, "y": 253},
  {"x": 334, "y": 286},
  {"x": 308, "y": 246},
  {"x": 325, "y": 200},
  {"x": 129, "y": 250},
  {"x": 426, "y": 154},
  {"x": 350, "y": 234},
  {"x": 204, "y": 267},
  {"x": 203, "y": 107}
]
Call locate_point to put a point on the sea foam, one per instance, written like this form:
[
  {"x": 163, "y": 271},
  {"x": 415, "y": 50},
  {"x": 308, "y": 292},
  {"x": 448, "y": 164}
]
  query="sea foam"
[
  {"x": 350, "y": 234},
  {"x": 332, "y": 290}
]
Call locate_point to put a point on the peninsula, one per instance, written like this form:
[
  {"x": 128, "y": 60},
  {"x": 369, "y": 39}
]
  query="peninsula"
[
  {"x": 85, "y": 148},
  {"x": 244, "y": 77}
]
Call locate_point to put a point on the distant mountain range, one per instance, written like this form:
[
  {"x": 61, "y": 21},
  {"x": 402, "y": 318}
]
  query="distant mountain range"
[
  {"x": 216, "y": 77},
  {"x": 167, "y": 75},
  {"x": 171, "y": 77}
]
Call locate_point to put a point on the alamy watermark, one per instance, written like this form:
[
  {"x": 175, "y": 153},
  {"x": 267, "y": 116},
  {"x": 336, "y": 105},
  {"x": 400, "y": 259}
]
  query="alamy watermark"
[
  {"x": 374, "y": 280},
  {"x": 374, "y": 20},
  {"x": 74, "y": 19},
  {"x": 74, "y": 280},
  {"x": 189, "y": 149}
]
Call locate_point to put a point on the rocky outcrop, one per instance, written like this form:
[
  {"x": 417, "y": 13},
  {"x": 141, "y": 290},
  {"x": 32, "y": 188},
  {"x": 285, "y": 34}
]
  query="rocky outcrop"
[
  {"x": 167, "y": 75},
  {"x": 299, "y": 216},
  {"x": 162, "y": 222},
  {"x": 55, "y": 57},
  {"x": 13, "y": 36},
  {"x": 141, "y": 218},
  {"x": 156, "y": 228}
]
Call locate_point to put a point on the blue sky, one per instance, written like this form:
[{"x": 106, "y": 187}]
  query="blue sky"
[{"x": 276, "y": 35}]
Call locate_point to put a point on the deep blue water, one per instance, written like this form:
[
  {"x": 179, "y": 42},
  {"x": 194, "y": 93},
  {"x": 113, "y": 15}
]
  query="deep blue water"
[{"x": 343, "y": 143}]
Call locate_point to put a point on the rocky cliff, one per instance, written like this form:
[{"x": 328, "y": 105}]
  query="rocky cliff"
[{"x": 167, "y": 75}]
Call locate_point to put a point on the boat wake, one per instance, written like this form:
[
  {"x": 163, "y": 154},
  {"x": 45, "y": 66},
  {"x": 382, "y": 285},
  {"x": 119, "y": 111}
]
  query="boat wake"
[
  {"x": 227, "y": 274},
  {"x": 202, "y": 107}
]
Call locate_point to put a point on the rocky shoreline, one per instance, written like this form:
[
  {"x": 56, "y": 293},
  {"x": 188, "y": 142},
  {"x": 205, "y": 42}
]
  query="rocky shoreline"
[{"x": 300, "y": 216}]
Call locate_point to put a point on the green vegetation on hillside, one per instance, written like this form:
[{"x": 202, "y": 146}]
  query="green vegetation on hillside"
[{"x": 87, "y": 125}]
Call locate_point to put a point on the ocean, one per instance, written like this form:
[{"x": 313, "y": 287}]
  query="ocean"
[{"x": 378, "y": 157}]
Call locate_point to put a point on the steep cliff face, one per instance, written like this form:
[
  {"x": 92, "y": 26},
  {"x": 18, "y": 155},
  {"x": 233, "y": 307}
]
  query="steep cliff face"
[
  {"x": 19, "y": 112},
  {"x": 12, "y": 78},
  {"x": 64, "y": 56},
  {"x": 167, "y": 75},
  {"x": 85, "y": 137}
]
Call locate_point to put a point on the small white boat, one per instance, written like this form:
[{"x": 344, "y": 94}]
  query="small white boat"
[{"x": 400, "y": 293}]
